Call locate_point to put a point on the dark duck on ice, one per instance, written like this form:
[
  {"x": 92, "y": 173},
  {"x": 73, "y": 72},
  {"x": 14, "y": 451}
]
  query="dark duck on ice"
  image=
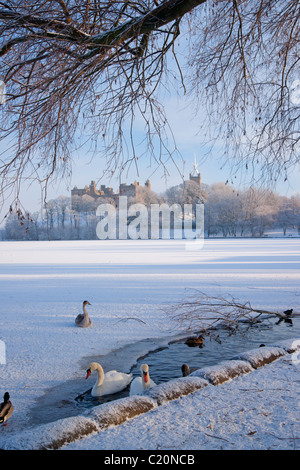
[{"x": 6, "y": 409}]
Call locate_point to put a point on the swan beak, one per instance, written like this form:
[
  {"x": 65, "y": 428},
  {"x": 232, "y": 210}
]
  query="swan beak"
[
  {"x": 145, "y": 376},
  {"x": 88, "y": 373}
]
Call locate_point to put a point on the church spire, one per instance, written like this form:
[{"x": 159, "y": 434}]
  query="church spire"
[
  {"x": 195, "y": 171},
  {"x": 195, "y": 174}
]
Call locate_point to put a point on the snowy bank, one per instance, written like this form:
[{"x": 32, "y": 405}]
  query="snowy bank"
[
  {"x": 254, "y": 411},
  {"x": 57, "y": 434}
]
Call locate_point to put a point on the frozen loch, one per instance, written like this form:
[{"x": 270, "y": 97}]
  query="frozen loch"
[{"x": 129, "y": 284}]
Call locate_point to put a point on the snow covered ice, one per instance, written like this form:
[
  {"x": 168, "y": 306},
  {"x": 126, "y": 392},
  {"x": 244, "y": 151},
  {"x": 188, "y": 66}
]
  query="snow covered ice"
[{"x": 128, "y": 283}]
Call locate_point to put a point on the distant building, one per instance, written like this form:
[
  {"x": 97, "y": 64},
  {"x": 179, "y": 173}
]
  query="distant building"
[
  {"x": 195, "y": 175},
  {"x": 105, "y": 192}
]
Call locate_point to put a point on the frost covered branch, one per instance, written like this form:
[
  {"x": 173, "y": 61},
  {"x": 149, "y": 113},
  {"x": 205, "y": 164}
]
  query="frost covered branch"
[
  {"x": 91, "y": 72},
  {"x": 202, "y": 311}
]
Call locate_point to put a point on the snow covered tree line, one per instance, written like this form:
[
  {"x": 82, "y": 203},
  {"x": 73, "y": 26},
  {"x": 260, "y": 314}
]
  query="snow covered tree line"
[
  {"x": 228, "y": 213},
  {"x": 250, "y": 212}
]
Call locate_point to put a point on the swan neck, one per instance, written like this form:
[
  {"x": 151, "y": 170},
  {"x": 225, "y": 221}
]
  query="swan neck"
[
  {"x": 146, "y": 384},
  {"x": 85, "y": 311},
  {"x": 100, "y": 373}
]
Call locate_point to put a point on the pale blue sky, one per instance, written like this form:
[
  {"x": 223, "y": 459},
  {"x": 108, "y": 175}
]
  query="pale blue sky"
[
  {"x": 189, "y": 140},
  {"x": 190, "y": 143}
]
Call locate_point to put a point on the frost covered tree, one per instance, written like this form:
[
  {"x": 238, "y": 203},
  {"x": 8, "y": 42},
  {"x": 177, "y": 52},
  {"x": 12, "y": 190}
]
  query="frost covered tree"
[
  {"x": 63, "y": 203},
  {"x": 251, "y": 211},
  {"x": 228, "y": 213},
  {"x": 285, "y": 216},
  {"x": 295, "y": 203},
  {"x": 188, "y": 192},
  {"x": 261, "y": 208},
  {"x": 222, "y": 210},
  {"x": 96, "y": 69},
  {"x": 146, "y": 196}
]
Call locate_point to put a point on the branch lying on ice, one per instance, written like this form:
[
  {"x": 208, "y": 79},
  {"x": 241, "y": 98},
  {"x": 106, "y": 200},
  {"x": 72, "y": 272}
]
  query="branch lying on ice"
[{"x": 202, "y": 311}]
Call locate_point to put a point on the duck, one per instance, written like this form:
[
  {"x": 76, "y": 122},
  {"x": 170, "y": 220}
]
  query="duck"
[
  {"x": 83, "y": 319},
  {"x": 6, "y": 409},
  {"x": 287, "y": 319},
  {"x": 194, "y": 341},
  {"x": 140, "y": 384},
  {"x": 109, "y": 382},
  {"x": 185, "y": 369}
]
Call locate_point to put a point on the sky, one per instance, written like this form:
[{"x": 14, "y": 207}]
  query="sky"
[{"x": 190, "y": 143}]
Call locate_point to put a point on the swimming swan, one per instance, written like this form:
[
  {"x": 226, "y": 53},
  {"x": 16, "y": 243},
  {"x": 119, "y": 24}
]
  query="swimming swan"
[
  {"x": 108, "y": 383},
  {"x": 83, "y": 320},
  {"x": 140, "y": 384},
  {"x": 6, "y": 409}
]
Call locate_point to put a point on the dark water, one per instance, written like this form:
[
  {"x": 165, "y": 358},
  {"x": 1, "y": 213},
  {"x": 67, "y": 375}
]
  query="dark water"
[
  {"x": 221, "y": 344},
  {"x": 166, "y": 364},
  {"x": 71, "y": 398}
]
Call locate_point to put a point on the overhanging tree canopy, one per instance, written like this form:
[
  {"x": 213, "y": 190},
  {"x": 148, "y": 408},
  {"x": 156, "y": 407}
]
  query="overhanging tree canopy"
[{"x": 91, "y": 68}]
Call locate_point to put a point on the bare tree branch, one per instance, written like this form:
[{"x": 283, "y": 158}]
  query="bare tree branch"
[
  {"x": 202, "y": 311},
  {"x": 95, "y": 69}
]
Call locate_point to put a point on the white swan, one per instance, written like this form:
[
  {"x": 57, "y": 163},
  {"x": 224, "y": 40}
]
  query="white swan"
[
  {"x": 108, "y": 383},
  {"x": 83, "y": 320},
  {"x": 140, "y": 384}
]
